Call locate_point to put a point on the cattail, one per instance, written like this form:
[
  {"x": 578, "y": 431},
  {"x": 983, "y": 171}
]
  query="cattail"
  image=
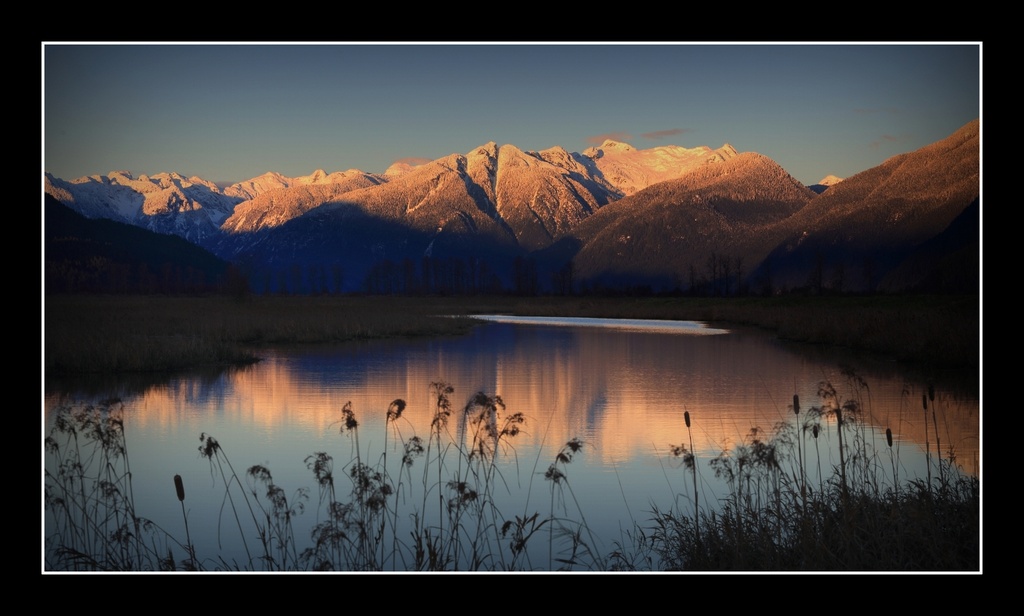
[
  {"x": 179, "y": 487},
  {"x": 814, "y": 431},
  {"x": 931, "y": 393},
  {"x": 888, "y": 437},
  {"x": 796, "y": 404},
  {"x": 924, "y": 401},
  {"x": 692, "y": 463}
]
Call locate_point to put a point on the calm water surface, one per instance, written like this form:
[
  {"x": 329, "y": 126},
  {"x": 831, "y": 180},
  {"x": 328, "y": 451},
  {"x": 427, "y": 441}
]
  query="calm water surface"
[{"x": 621, "y": 387}]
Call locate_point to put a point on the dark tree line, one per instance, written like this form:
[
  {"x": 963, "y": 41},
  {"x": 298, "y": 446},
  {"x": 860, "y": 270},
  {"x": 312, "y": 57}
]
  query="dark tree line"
[
  {"x": 99, "y": 274},
  {"x": 434, "y": 276},
  {"x": 722, "y": 275}
]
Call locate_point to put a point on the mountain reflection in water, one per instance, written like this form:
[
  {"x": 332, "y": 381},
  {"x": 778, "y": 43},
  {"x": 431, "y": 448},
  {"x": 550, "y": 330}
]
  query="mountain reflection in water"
[{"x": 622, "y": 388}]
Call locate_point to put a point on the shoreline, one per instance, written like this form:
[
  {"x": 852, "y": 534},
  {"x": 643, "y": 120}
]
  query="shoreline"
[{"x": 124, "y": 334}]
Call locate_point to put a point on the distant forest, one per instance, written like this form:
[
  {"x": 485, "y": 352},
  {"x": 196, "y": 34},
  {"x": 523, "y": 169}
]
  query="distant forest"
[
  {"x": 85, "y": 255},
  {"x": 102, "y": 256}
]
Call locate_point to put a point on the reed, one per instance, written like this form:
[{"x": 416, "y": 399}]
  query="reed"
[
  {"x": 927, "y": 448},
  {"x": 689, "y": 458},
  {"x": 800, "y": 451},
  {"x": 569, "y": 527},
  {"x": 771, "y": 518},
  {"x": 860, "y": 521},
  {"x": 89, "y": 495}
]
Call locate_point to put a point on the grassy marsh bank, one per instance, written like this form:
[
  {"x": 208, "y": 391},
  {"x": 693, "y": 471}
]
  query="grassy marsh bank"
[
  {"x": 941, "y": 330},
  {"x": 105, "y": 334}
]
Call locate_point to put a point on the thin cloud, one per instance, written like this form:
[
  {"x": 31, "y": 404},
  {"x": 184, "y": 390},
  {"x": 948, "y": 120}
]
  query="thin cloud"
[
  {"x": 662, "y": 134},
  {"x": 616, "y": 136}
]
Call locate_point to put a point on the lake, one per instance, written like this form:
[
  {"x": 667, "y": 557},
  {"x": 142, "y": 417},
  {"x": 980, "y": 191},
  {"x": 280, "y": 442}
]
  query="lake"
[{"x": 619, "y": 389}]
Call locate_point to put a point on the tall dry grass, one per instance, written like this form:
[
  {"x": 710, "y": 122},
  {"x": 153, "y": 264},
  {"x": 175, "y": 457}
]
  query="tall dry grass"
[
  {"x": 435, "y": 507},
  {"x": 104, "y": 334},
  {"x": 857, "y": 516}
]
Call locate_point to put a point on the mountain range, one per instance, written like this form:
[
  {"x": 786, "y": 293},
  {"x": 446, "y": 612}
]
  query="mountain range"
[{"x": 613, "y": 217}]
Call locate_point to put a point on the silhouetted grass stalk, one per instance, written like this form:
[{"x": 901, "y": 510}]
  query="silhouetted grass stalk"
[
  {"x": 862, "y": 523},
  {"x": 927, "y": 450},
  {"x": 179, "y": 488},
  {"x": 210, "y": 449},
  {"x": 394, "y": 411},
  {"x": 765, "y": 522},
  {"x": 799, "y": 451},
  {"x": 693, "y": 468},
  {"x": 89, "y": 494}
]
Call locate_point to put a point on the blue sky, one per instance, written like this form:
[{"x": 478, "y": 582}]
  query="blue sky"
[{"x": 230, "y": 112}]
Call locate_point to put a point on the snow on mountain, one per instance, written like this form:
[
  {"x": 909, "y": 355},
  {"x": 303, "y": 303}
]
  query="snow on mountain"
[
  {"x": 622, "y": 212},
  {"x": 271, "y": 207},
  {"x": 454, "y": 193},
  {"x": 165, "y": 203},
  {"x": 99, "y": 196},
  {"x": 398, "y": 168},
  {"x": 499, "y": 195},
  {"x": 542, "y": 195},
  {"x": 530, "y": 198},
  {"x": 826, "y": 182},
  {"x": 666, "y": 231},
  {"x": 258, "y": 185},
  {"x": 629, "y": 170},
  {"x": 545, "y": 195},
  {"x": 250, "y": 189},
  {"x": 609, "y": 146}
]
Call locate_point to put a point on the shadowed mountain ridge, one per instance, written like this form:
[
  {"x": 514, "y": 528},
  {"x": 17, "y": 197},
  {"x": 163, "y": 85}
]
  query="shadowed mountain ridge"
[{"x": 696, "y": 219}]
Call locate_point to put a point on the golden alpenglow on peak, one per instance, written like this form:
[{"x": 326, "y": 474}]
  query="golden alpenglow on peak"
[
  {"x": 617, "y": 146},
  {"x": 727, "y": 151}
]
